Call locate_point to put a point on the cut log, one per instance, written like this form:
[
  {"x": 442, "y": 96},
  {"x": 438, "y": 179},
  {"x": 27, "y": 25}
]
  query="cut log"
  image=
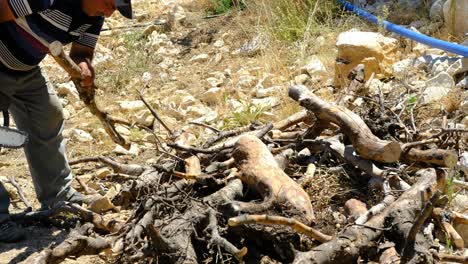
[
  {"x": 366, "y": 144},
  {"x": 440, "y": 157},
  {"x": 356, "y": 240},
  {"x": 259, "y": 170}
]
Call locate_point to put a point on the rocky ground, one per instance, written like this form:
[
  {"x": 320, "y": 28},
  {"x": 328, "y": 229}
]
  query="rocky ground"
[{"x": 224, "y": 72}]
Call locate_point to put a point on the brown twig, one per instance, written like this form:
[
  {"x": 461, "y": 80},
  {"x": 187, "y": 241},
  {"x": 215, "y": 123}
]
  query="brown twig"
[
  {"x": 23, "y": 198},
  {"x": 443, "y": 257},
  {"x": 153, "y": 112},
  {"x": 279, "y": 220}
]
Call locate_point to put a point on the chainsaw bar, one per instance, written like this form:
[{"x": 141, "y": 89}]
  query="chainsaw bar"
[{"x": 12, "y": 138}]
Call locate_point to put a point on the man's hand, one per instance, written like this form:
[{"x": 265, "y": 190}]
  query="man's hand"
[
  {"x": 87, "y": 74},
  {"x": 82, "y": 56}
]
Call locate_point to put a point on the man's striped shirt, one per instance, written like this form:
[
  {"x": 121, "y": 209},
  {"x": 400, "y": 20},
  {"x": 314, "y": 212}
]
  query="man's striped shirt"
[{"x": 25, "y": 41}]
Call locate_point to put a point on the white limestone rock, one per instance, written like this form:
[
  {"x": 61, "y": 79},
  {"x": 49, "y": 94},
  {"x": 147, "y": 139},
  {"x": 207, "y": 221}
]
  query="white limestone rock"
[
  {"x": 81, "y": 135},
  {"x": 131, "y": 105}
]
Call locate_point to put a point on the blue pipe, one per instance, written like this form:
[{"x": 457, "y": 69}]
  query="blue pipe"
[{"x": 433, "y": 42}]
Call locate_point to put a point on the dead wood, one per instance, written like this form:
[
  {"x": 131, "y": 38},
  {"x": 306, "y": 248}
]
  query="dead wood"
[
  {"x": 356, "y": 240},
  {"x": 78, "y": 243},
  {"x": 450, "y": 258},
  {"x": 129, "y": 169},
  {"x": 347, "y": 153},
  {"x": 440, "y": 157},
  {"x": 156, "y": 116},
  {"x": 408, "y": 249},
  {"x": 357, "y": 80},
  {"x": 302, "y": 116},
  {"x": 178, "y": 233},
  {"x": 445, "y": 218},
  {"x": 365, "y": 143},
  {"x": 20, "y": 193},
  {"x": 259, "y": 170},
  {"x": 279, "y": 220},
  {"x": 217, "y": 240}
]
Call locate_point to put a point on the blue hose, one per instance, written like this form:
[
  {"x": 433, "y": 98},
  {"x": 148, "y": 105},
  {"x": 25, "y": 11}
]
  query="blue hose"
[{"x": 433, "y": 42}]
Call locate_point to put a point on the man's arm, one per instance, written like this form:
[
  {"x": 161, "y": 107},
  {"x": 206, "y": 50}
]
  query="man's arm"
[
  {"x": 82, "y": 56},
  {"x": 12, "y": 9}
]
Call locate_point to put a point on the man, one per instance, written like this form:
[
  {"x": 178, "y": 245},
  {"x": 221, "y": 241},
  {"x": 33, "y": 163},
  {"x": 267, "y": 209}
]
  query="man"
[{"x": 27, "y": 28}]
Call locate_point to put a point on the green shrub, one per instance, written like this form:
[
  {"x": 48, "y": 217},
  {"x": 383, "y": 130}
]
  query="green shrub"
[
  {"x": 223, "y": 6},
  {"x": 290, "y": 20}
]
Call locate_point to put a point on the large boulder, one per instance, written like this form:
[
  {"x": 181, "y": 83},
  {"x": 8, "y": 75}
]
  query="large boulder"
[
  {"x": 377, "y": 52},
  {"x": 455, "y": 16}
]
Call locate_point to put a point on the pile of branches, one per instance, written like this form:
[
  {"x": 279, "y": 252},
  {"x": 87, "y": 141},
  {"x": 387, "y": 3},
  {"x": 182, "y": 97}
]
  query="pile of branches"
[{"x": 233, "y": 202}]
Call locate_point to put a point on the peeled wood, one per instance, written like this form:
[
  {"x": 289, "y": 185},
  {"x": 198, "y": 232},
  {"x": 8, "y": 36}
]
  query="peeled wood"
[
  {"x": 358, "y": 239},
  {"x": 367, "y": 144},
  {"x": 355, "y": 208},
  {"x": 279, "y": 220},
  {"x": 259, "y": 169}
]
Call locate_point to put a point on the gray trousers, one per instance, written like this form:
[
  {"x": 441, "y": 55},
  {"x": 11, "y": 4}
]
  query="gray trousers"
[{"x": 36, "y": 110}]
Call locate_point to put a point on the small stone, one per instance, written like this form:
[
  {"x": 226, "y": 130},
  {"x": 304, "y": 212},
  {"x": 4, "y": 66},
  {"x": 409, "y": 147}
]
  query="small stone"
[
  {"x": 131, "y": 105},
  {"x": 215, "y": 82},
  {"x": 102, "y": 173},
  {"x": 133, "y": 151},
  {"x": 122, "y": 130},
  {"x": 199, "y": 58},
  {"x": 265, "y": 103},
  {"x": 314, "y": 67},
  {"x": 213, "y": 95},
  {"x": 301, "y": 79},
  {"x": 219, "y": 43},
  {"x": 246, "y": 82},
  {"x": 146, "y": 77},
  {"x": 81, "y": 135},
  {"x": 144, "y": 117},
  {"x": 438, "y": 87}
]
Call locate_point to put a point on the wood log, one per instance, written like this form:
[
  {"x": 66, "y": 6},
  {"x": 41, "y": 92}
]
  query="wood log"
[
  {"x": 77, "y": 244},
  {"x": 356, "y": 240},
  {"x": 347, "y": 153},
  {"x": 440, "y": 157},
  {"x": 366, "y": 144},
  {"x": 259, "y": 170}
]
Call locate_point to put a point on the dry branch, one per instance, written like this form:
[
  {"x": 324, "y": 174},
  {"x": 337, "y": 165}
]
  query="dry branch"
[
  {"x": 279, "y": 220},
  {"x": 23, "y": 198},
  {"x": 259, "y": 169},
  {"x": 346, "y": 153},
  {"x": 440, "y": 157},
  {"x": 357, "y": 239},
  {"x": 216, "y": 238},
  {"x": 366, "y": 143},
  {"x": 87, "y": 96},
  {"x": 302, "y": 116},
  {"x": 77, "y": 244}
]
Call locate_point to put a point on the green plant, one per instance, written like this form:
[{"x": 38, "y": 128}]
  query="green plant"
[
  {"x": 291, "y": 20},
  {"x": 248, "y": 114},
  {"x": 223, "y": 6},
  {"x": 136, "y": 135}
]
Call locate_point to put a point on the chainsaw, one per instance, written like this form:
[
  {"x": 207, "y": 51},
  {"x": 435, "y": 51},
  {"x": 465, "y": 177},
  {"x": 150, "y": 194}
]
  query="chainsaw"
[{"x": 9, "y": 137}]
